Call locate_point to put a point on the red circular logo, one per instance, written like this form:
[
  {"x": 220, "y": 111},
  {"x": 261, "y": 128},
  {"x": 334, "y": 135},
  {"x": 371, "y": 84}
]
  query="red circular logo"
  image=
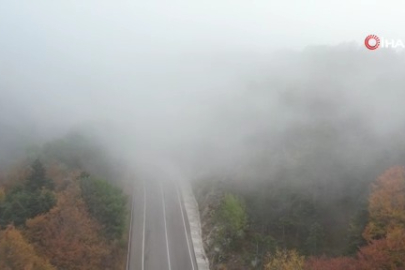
[{"x": 373, "y": 39}]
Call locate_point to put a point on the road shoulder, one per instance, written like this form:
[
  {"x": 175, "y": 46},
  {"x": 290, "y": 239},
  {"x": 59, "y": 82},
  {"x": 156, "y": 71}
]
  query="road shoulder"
[{"x": 193, "y": 215}]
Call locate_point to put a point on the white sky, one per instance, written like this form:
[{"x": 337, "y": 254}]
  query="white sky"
[
  {"x": 135, "y": 26},
  {"x": 116, "y": 52}
]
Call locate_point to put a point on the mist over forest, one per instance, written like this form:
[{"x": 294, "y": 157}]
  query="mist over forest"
[
  {"x": 291, "y": 128},
  {"x": 222, "y": 113}
]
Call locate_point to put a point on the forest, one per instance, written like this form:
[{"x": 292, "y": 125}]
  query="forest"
[
  {"x": 297, "y": 237},
  {"x": 55, "y": 214},
  {"x": 319, "y": 187},
  {"x": 290, "y": 131},
  {"x": 304, "y": 166}
]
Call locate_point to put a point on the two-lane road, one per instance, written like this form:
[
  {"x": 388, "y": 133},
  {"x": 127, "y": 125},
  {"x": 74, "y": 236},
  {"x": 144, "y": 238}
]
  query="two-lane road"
[{"x": 160, "y": 234}]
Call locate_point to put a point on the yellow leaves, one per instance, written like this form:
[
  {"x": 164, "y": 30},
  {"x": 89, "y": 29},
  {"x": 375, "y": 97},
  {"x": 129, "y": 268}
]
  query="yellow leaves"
[
  {"x": 372, "y": 231},
  {"x": 16, "y": 253},
  {"x": 386, "y": 229},
  {"x": 61, "y": 175},
  {"x": 2, "y": 194},
  {"x": 285, "y": 260},
  {"x": 68, "y": 235},
  {"x": 385, "y": 253},
  {"x": 386, "y": 204}
]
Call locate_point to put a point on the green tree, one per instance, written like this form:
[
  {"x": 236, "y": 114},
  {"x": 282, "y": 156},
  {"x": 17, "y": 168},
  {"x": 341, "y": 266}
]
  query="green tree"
[
  {"x": 233, "y": 218},
  {"x": 21, "y": 204},
  {"x": 106, "y": 203},
  {"x": 354, "y": 233},
  {"x": 315, "y": 238},
  {"x": 37, "y": 179},
  {"x": 28, "y": 199}
]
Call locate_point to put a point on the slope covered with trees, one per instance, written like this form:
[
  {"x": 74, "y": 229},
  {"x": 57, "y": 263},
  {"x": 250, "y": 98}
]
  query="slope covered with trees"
[
  {"x": 241, "y": 247},
  {"x": 55, "y": 215},
  {"x": 299, "y": 147}
]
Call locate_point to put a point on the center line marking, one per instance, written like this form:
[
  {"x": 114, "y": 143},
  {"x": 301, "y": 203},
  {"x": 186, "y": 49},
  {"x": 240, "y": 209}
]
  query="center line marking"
[
  {"x": 164, "y": 218},
  {"x": 144, "y": 221}
]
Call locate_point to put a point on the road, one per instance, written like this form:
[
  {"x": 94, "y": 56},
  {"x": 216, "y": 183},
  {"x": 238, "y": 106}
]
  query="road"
[{"x": 159, "y": 234}]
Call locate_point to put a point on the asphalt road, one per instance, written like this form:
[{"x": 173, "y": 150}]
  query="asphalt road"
[{"x": 160, "y": 234}]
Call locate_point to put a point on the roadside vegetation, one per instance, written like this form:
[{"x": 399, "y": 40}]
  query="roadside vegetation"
[
  {"x": 234, "y": 240},
  {"x": 312, "y": 164},
  {"x": 55, "y": 215}
]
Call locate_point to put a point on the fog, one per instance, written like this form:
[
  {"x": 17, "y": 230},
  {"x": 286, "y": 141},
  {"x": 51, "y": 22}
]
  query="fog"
[{"x": 212, "y": 87}]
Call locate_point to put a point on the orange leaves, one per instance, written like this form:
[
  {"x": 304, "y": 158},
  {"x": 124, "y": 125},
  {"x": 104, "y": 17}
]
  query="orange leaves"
[
  {"x": 385, "y": 231},
  {"x": 341, "y": 263},
  {"x": 61, "y": 175},
  {"x": 386, "y": 204},
  {"x": 386, "y": 253},
  {"x": 16, "y": 253},
  {"x": 68, "y": 235},
  {"x": 65, "y": 234},
  {"x": 15, "y": 175}
]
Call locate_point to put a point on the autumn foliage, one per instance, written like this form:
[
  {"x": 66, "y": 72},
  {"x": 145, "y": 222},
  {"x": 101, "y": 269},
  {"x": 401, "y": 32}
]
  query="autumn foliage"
[
  {"x": 386, "y": 204},
  {"x": 17, "y": 253},
  {"x": 385, "y": 232},
  {"x": 52, "y": 219},
  {"x": 67, "y": 235},
  {"x": 339, "y": 263},
  {"x": 286, "y": 260}
]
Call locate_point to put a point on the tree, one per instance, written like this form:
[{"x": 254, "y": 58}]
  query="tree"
[
  {"x": 385, "y": 232},
  {"x": 2, "y": 194},
  {"x": 106, "y": 203},
  {"x": 233, "y": 218},
  {"x": 340, "y": 263},
  {"x": 386, "y": 253},
  {"x": 285, "y": 260},
  {"x": 16, "y": 253},
  {"x": 28, "y": 199},
  {"x": 386, "y": 204},
  {"x": 21, "y": 204},
  {"x": 315, "y": 238},
  {"x": 68, "y": 236},
  {"x": 37, "y": 179},
  {"x": 354, "y": 237}
]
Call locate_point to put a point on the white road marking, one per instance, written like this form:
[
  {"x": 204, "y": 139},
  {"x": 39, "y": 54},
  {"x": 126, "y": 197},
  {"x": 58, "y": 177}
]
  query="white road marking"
[
  {"x": 130, "y": 231},
  {"x": 164, "y": 218},
  {"x": 185, "y": 228},
  {"x": 144, "y": 221}
]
